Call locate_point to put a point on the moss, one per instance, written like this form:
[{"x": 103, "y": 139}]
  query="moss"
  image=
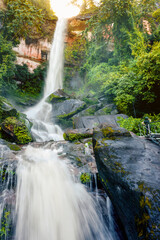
[
  {"x": 97, "y": 145},
  {"x": 142, "y": 223},
  {"x": 54, "y": 99},
  {"x": 13, "y": 147},
  {"x": 17, "y": 130},
  {"x": 71, "y": 114},
  {"x": 90, "y": 111},
  {"x": 6, "y": 110},
  {"x": 108, "y": 131},
  {"x": 79, "y": 163},
  {"x": 75, "y": 136},
  {"x": 85, "y": 178}
]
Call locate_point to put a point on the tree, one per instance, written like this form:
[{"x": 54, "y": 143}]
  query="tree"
[
  {"x": 7, "y": 66},
  {"x": 20, "y": 18}
]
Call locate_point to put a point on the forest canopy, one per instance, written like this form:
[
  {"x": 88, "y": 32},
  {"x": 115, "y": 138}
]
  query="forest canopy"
[{"x": 122, "y": 57}]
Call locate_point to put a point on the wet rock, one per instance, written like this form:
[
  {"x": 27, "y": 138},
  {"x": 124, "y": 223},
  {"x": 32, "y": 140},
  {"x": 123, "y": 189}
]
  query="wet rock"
[
  {"x": 67, "y": 109},
  {"x": 6, "y": 109},
  {"x": 58, "y": 96},
  {"x": 93, "y": 121},
  {"x": 76, "y": 153},
  {"x": 5, "y": 152},
  {"x": 77, "y": 134},
  {"x": 16, "y": 130},
  {"x": 129, "y": 169}
]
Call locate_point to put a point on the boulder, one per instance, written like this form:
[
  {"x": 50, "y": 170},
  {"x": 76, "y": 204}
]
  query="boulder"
[
  {"x": 93, "y": 121},
  {"x": 77, "y": 134},
  {"x": 67, "y": 108},
  {"x": 76, "y": 153},
  {"x": 129, "y": 168},
  {"x": 89, "y": 111},
  {"x": 16, "y": 130},
  {"x": 108, "y": 109},
  {"x": 58, "y": 96},
  {"x": 6, "y": 109}
]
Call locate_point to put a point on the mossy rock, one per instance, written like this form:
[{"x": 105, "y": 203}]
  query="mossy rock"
[
  {"x": 6, "y": 109},
  {"x": 71, "y": 114},
  {"x": 77, "y": 134},
  {"x": 17, "y": 130},
  {"x": 13, "y": 147},
  {"x": 58, "y": 96}
]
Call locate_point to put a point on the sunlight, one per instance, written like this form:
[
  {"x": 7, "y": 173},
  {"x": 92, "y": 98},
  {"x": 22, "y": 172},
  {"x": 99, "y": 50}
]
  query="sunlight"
[{"x": 64, "y": 8}]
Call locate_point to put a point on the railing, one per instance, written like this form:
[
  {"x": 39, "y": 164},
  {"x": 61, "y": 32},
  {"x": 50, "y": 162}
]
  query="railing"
[{"x": 151, "y": 131}]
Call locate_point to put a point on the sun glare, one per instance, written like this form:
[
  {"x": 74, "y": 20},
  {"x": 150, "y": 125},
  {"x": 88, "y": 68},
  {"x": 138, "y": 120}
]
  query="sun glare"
[{"x": 64, "y": 8}]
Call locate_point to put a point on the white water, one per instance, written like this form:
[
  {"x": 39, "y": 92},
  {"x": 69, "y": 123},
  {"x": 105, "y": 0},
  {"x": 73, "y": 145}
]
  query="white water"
[
  {"x": 43, "y": 129},
  {"x": 50, "y": 205}
]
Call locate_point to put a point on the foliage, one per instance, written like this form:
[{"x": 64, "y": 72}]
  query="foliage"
[
  {"x": 28, "y": 19},
  {"x": 30, "y": 82},
  {"x": 87, "y": 6},
  {"x": 44, "y": 4},
  {"x": 7, "y": 58},
  {"x": 74, "y": 52},
  {"x": 131, "y": 124},
  {"x": 137, "y": 126},
  {"x": 85, "y": 178},
  {"x": 20, "y": 18},
  {"x": 18, "y": 129}
]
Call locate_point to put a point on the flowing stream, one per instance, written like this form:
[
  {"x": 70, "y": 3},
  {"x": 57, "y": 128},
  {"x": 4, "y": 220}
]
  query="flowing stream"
[{"x": 49, "y": 202}]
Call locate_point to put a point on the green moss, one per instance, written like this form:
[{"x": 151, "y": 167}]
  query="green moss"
[
  {"x": 75, "y": 136},
  {"x": 108, "y": 131},
  {"x": 97, "y": 145},
  {"x": 5, "y": 224},
  {"x": 85, "y": 178},
  {"x": 69, "y": 115},
  {"x": 54, "y": 98},
  {"x": 17, "y": 130},
  {"x": 13, "y": 147},
  {"x": 90, "y": 111},
  {"x": 79, "y": 163},
  {"x": 6, "y": 110},
  {"x": 142, "y": 223}
]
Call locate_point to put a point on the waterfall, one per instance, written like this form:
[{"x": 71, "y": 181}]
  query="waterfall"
[
  {"x": 54, "y": 78},
  {"x": 43, "y": 129},
  {"x": 51, "y": 203}
]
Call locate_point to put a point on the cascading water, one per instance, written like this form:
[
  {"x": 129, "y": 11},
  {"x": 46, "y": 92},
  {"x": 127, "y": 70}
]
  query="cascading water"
[
  {"x": 43, "y": 129},
  {"x": 51, "y": 204}
]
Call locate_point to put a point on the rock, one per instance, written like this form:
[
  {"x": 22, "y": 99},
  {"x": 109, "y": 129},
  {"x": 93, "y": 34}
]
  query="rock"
[
  {"x": 58, "y": 96},
  {"x": 76, "y": 153},
  {"x": 16, "y": 130},
  {"x": 129, "y": 168},
  {"x": 5, "y": 152},
  {"x": 67, "y": 108},
  {"x": 89, "y": 111},
  {"x": 6, "y": 109},
  {"x": 93, "y": 121},
  {"x": 108, "y": 109},
  {"x": 77, "y": 134}
]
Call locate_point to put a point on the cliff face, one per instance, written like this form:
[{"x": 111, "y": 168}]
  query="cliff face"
[
  {"x": 32, "y": 54},
  {"x": 129, "y": 168},
  {"x": 37, "y": 51}
]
